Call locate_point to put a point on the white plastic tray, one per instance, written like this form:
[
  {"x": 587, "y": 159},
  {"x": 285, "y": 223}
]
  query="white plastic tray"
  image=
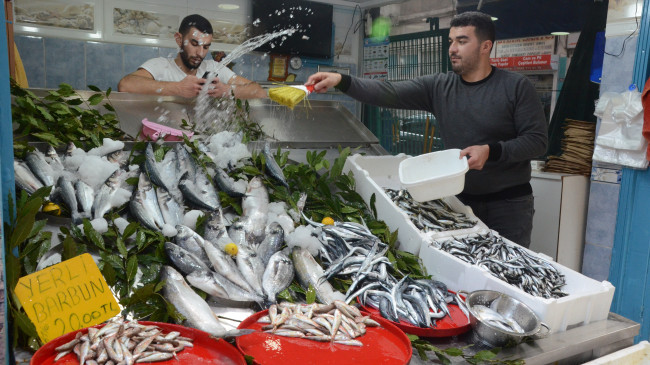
[
  {"x": 375, "y": 173},
  {"x": 588, "y": 300}
]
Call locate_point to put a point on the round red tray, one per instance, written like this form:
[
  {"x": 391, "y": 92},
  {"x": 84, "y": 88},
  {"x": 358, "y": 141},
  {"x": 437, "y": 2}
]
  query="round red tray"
[
  {"x": 206, "y": 350},
  {"x": 381, "y": 345},
  {"x": 445, "y": 327}
]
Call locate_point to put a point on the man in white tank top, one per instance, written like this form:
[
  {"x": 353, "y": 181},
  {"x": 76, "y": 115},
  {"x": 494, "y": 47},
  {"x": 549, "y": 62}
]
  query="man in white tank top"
[{"x": 184, "y": 75}]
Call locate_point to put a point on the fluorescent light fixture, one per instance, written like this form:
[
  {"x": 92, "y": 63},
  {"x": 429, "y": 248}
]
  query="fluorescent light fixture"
[
  {"x": 228, "y": 6},
  {"x": 95, "y": 35},
  {"x": 30, "y": 29},
  {"x": 151, "y": 40},
  {"x": 494, "y": 19},
  {"x": 559, "y": 33}
]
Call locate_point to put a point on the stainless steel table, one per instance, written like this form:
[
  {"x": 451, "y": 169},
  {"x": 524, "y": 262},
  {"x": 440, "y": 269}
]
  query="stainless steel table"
[{"x": 573, "y": 346}]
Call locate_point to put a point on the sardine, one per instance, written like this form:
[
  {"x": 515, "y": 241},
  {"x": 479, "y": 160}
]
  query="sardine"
[
  {"x": 272, "y": 166},
  {"x": 277, "y": 276}
]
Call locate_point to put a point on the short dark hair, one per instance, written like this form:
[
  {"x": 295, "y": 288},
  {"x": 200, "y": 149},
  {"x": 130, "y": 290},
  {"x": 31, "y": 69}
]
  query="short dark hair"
[
  {"x": 196, "y": 21},
  {"x": 482, "y": 23}
]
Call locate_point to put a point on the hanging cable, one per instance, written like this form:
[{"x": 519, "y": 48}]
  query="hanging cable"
[
  {"x": 356, "y": 27},
  {"x": 636, "y": 6}
]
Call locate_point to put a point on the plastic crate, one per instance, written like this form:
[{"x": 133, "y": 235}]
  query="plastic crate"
[
  {"x": 587, "y": 301},
  {"x": 375, "y": 173}
]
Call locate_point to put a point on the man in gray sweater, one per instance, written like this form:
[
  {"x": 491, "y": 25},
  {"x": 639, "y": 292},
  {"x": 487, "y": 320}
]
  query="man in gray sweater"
[{"x": 494, "y": 116}]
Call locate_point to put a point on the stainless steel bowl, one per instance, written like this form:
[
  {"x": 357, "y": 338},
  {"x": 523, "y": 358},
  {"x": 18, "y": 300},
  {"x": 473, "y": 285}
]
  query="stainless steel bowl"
[{"x": 508, "y": 307}]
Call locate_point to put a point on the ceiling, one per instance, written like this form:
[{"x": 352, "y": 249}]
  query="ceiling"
[{"x": 516, "y": 18}]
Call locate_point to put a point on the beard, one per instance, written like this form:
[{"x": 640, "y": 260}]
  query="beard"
[{"x": 186, "y": 60}]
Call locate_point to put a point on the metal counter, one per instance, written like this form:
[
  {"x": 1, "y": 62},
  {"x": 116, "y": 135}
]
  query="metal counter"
[{"x": 573, "y": 346}]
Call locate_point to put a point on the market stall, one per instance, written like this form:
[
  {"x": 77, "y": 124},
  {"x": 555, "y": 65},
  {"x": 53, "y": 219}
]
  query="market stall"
[{"x": 579, "y": 323}]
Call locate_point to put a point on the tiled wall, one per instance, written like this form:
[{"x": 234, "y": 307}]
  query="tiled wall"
[
  {"x": 603, "y": 198},
  {"x": 51, "y": 61}
]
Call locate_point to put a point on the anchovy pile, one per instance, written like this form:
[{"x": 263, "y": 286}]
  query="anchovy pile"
[
  {"x": 337, "y": 322},
  {"x": 430, "y": 216},
  {"x": 350, "y": 250},
  {"x": 510, "y": 263},
  {"x": 122, "y": 342}
]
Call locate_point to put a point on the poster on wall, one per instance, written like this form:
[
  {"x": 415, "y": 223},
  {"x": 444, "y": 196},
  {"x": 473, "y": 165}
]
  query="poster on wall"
[
  {"x": 230, "y": 28},
  {"x": 68, "y": 18},
  {"x": 130, "y": 22}
]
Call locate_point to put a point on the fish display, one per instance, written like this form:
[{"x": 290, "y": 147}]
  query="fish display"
[
  {"x": 430, "y": 216},
  {"x": 337, "y": 322},
  {"x": 124, "y": 342},
  {"x": 508, "y": 262},
  {"x": 352, "y": 252}
]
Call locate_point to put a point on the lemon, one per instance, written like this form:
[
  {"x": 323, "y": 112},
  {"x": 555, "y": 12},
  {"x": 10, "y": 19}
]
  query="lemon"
[
  {"x": 51, "y": 208},
  {"x": 328, "y": 221},
  {"x": 231, "y": 249}
]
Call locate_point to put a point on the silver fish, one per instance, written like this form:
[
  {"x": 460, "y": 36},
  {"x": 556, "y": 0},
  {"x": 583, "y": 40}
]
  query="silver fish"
[
  {"x": 85, "y": 196},
  {"x": 25, "y": 179},
  {"x": 171, "y": 210},
  {"x": 255, "y": 208},
  {"x": 40, "y": 168},
  {"x": 70, "y": 148},
  {"x": 53, "y": 159},
  {"x": 102, "y": 203},
  {"x": 272, "y": 243},
  {"x": 218, "y": 285},
  {"x": 215, "y": 229},
  {"x": 226, "y": 184},
  {"x": 272, "y": 166},
  {"x": 237, "y": 233},
  {"x": 277, "y": 276},
  {"x": 196, "y": 311},
  {"x": 151, "y": 166},
  {"x": 199, "y": 190},
  {"x": 251, "y": 268},
  {"x": 68, "y": 196},
  {"x": 184, "y": 260},
  {"x": 224, "y": 264},
  {"x": 192, "y": 242},
  {"x": 144, "y": 204},
  {"x": 309, "y": 273},
  {"x": 184, "y": 162}
]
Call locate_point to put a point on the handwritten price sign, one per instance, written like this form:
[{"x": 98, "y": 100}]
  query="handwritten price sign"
[{"x": 66, "y": 297}]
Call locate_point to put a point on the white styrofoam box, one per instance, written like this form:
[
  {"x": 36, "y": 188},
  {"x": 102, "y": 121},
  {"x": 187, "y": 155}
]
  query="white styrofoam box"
[
  {"x": 374, "y": 173},
  {"x": 434, "y": 175},
  {"x": 587, "y": 301},
  {"x": 638, "y": 354}
]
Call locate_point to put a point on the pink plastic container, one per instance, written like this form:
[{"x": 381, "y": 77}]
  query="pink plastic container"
[{"x": 154, "y": 131}]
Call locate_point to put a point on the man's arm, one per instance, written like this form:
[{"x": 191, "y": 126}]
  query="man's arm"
[
  {"x": 142, "y": 82},
  {"x": 242, "y": 88}
]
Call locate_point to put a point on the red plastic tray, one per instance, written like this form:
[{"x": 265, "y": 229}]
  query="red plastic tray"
[
  {"x": 206, "y": 350},
  {"x": 446, "y": 327},
  {"x": 381, "y": 345}
]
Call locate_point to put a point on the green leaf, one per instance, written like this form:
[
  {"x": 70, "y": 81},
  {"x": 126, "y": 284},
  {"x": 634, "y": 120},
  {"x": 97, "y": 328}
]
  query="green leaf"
[
  {"x": 131, "y": 268},
  {"x": 108, "y": 92},
  {"x": 140, "y": 239},
  {"x": 485, "y": 355},
  {"x": 109, "y": 274},
  {"x": 24, "y": 223},
  {"x": 94, "y": 88},
  {"x": 48, "y": 137},
  {"x": 24, "y": 323},
  {"x": 452, "y": 351},
  {"x": 119, "y": 242},
  {"x": 93, "y": 235}
]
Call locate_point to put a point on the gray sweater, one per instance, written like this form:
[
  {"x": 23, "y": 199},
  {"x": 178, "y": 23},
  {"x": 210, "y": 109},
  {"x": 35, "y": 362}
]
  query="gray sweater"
[{"x": 502, "y": 110}]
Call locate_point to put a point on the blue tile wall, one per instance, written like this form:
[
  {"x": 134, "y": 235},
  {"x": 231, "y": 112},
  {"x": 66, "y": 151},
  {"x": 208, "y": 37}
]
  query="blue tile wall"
[
  {"x": 32, "y": 54},
  {"x": 65, "y": 63},
  {"x": 134, "y": 56},
  {"x": 618, "y": 69},
  {"x": 104, "y": 65}
]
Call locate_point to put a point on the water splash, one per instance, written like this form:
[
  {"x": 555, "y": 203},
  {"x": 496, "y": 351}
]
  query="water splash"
[{"x": 216, "y": 115}]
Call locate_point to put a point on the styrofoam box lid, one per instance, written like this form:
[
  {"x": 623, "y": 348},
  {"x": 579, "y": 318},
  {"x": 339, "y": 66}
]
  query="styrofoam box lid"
[{"x": 638, "y": 354}]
